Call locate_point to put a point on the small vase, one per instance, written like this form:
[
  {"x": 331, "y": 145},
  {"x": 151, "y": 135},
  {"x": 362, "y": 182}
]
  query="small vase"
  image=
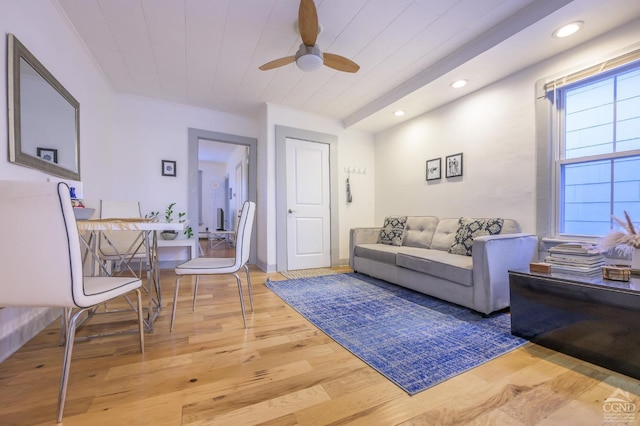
[{"x": 635, "y": 261}]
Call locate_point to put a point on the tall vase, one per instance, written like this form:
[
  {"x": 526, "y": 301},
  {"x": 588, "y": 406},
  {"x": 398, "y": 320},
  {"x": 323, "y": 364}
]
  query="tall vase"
[{"x": 635, "y": 261}]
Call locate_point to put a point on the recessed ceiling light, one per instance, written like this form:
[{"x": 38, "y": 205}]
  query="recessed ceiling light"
[
  {"x": 399, "y": 113},
  {"x": 567, "y": 30},
  {"x": 459, "y": 83}
]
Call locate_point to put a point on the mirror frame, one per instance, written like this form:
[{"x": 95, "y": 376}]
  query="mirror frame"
[{"x": 15, "y": 52}]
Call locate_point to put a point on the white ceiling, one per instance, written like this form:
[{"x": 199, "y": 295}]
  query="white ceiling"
[{"x": 206, "y": 53}]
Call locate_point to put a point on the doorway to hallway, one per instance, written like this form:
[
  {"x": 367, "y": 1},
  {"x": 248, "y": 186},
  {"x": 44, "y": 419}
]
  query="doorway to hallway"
[{"x": 194, "y": 138}]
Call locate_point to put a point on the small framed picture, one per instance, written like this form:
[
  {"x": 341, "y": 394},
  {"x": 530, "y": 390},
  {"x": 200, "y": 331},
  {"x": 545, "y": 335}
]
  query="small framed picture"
[
  {"x": 433, "y": 169},
  {"x": 48, "y": 154},
  {"x": 168, "y": 168},
  {"x": 453, "y": 164}
]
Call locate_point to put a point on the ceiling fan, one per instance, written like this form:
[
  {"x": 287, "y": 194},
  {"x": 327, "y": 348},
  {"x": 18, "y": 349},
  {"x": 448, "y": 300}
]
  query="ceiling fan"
[{"x": 309, "y": 57}]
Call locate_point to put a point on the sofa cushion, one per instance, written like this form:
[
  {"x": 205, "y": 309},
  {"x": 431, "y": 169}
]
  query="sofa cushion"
[
  {"x": 445, "y": 233},
  {"x": 437, "y": 263},
  {"x": 393, "y": 230},
  {"x": 510, "y": 226},
  {"x": 469, "y": 229},
  {"x": 419, "y": 231},
  {"x": 379, "y": 252}
]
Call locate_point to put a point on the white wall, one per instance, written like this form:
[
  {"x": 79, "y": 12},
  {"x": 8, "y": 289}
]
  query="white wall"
[
  {"x": 147, "y": 131},
  {"x": 356, "y": 149},
  {"x": 494, "y": 129}
]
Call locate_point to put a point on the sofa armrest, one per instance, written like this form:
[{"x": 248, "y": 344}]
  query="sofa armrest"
[
  {"x": 493, "y": 256},
  {"x": 361, "y": 236}
]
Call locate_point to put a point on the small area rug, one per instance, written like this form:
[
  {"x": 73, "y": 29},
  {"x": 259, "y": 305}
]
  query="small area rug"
[
  {"x": 306, "y": 273},
  {"x": 414, "y": 340}
]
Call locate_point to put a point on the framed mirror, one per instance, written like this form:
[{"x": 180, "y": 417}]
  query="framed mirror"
[{"x": 44, "y": 119}]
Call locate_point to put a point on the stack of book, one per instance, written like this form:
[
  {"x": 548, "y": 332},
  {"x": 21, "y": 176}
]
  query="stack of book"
[{"x": 576, "y": 259}]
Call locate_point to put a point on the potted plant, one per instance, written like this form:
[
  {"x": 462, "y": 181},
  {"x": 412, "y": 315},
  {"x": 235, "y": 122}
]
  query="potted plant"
[
  {"x": 168, "y": 218},
  {"x": 187, "y": 231}
]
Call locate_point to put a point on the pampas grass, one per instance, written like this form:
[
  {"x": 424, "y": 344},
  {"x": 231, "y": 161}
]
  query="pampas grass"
[{"x": 622, "y": 241}]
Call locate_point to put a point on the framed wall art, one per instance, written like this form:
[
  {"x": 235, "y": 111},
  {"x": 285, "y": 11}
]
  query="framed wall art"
[
  {"x": 168, "y": 168},
  {"x": 433, "y": 169},
  {"x": 453, "y": 165}
]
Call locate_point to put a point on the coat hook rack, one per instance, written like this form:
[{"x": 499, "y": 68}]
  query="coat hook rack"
[{"x": 356, "y": 170}]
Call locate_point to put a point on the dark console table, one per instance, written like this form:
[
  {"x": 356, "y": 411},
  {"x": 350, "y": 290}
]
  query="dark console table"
[{"x": 592, "y": 319}]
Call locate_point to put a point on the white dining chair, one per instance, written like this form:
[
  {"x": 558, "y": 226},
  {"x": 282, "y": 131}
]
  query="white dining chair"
[
  {"x": 119, "y": 248},
  {"x": 218, "y": 265},
  {"x": 42, "y": 261}
]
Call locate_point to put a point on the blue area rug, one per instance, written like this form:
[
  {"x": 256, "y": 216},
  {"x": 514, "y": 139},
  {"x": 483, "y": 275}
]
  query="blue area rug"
[{"x": 414, "y": 340}]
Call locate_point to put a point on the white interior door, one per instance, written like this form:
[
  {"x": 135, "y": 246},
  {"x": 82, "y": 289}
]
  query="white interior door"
[{"x": 308, "y": 205}]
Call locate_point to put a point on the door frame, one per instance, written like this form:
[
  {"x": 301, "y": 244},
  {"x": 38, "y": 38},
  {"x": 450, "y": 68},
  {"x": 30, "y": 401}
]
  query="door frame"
[
  {"x": 282, "y": 133},
  {"x": 192, "y": 179}
]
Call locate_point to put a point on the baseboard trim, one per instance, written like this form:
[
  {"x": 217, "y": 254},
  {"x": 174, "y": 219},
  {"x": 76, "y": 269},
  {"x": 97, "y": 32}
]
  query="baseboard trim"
[{"x": 264, "y": 267}]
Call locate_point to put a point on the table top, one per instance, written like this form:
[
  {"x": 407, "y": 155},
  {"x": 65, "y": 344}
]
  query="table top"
[
  {"x": 633, "y": 284},
  {"x": 128, "y": 224}
]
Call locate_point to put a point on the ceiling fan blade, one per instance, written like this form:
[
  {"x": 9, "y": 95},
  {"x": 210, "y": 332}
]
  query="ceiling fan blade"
[
  {"x": 308, "y": 22},
  {"x": 340, "y": 63},
  {"x": 278, "y": 63}
]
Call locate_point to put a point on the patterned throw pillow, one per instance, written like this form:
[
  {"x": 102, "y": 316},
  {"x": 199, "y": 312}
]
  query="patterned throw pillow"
[
  {"x": 471, "y": 228},
  {"x": 392, "y": 230}
]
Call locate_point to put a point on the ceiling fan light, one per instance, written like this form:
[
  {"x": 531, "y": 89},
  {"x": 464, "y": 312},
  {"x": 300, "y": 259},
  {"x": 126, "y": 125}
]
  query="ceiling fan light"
[
  {"x": 309, "y": 58},
  {"x": 309, "y": 62}
]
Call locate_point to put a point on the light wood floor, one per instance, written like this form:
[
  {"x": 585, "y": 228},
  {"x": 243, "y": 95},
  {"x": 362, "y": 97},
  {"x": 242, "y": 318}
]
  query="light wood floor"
[{"x": 280, "y": 371}]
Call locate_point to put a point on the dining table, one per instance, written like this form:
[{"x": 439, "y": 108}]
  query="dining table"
[{"x": 92, "y": 230}]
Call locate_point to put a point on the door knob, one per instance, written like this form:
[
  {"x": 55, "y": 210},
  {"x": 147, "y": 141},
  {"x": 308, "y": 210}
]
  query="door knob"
[{"x": 291, "y": 211}]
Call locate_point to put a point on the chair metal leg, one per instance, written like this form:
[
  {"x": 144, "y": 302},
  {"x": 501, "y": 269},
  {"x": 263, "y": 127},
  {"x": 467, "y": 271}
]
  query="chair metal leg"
[
  {"x": 195, "y": 292},
  {"x": 175, "y": 302},
  {"x": 71, "y": 334},
  {"x": 244, "y": 317},
  {"x": 71, "y": 324},
  {"x": 246, "y": 269},
  {"x": 64, "y": 322},
  {"x": 140, "y": 320}
]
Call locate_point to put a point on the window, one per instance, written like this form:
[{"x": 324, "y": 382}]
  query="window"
[{"x": 598, "y": 151}]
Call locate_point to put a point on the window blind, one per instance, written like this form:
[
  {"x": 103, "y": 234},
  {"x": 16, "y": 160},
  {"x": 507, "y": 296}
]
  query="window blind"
[{"x": 607, "y": 65}]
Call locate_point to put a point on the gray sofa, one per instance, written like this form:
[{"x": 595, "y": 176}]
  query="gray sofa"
[{"x": 420, "y": 260}]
